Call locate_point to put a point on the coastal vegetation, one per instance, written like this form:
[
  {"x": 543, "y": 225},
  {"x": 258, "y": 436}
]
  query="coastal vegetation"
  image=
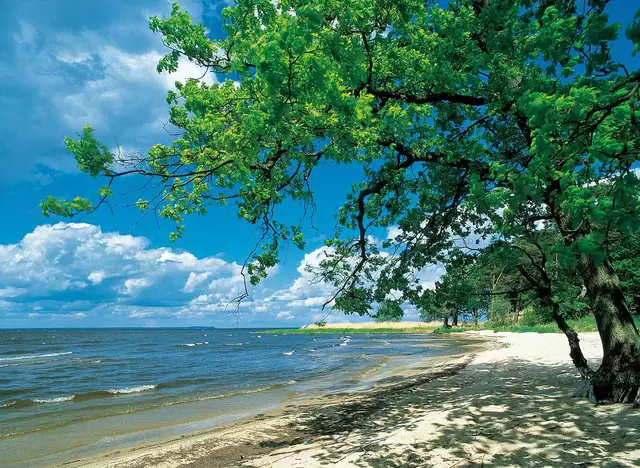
[
  {"x": 494, "y": 136},
  {"x": 582, "y": 324}
]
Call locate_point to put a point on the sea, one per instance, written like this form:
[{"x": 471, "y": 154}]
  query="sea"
[{"x": 66, "y": 394}]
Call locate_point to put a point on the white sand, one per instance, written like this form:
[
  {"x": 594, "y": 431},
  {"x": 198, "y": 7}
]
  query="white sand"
[{"x": 510, "y": 406}]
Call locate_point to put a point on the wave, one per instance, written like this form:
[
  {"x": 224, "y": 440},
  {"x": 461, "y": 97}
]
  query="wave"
[
  {"x": 17, "y": 404},
  {"x": 33, "y": 356},
  {"x": 233, "y": 344},
  {"x": 24, "y": 403},
  {"x": 190, "y": 345},
  {"x": 138, "y": 389},
  {"x": 114, "y": 392},
  {"x": 55, "y": 400}
]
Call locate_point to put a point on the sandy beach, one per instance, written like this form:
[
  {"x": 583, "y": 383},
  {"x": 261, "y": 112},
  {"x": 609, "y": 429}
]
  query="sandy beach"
[{"x": 509, "y": 403}]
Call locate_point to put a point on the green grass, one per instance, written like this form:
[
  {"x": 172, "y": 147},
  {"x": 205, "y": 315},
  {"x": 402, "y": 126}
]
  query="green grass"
[
  {"x": 583, "y": 324},
  {"x": 344, "y": 331}
]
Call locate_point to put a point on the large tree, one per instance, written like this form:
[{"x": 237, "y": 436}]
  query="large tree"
[{"x": 492, "y": 114}]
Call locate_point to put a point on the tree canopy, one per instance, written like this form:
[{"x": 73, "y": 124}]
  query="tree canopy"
[{"x": 482, "y": 116}]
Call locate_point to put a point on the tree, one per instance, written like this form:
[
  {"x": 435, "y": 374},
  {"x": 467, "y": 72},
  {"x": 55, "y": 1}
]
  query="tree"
[
  {"x": 624, "y": 249},
  {"x": 389, "y": 311},
  {"x": 532, "y": 261},
  {"x": 463, "y": 291},
  {"x": 486, "y": 114}
]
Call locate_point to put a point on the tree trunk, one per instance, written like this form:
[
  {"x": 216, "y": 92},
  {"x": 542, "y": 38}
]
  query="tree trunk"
[
  {"x": 455, "y": 319},
  {"x": 515, "y": 309},
  {"x": 574, "y": 344},
  {"x": 618, "y": 378},
  {"x": 446, "y": 322}
]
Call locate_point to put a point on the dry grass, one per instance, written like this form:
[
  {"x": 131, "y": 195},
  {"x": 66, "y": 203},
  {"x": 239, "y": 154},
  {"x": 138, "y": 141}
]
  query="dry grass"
[{"x": 375, "y": 325}]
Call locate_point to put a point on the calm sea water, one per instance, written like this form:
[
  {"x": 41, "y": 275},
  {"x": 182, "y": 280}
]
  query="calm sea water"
[{"x": 65, "y": 391}]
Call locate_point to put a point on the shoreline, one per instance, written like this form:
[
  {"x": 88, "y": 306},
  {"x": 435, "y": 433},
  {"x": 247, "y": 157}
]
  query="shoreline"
[
  {"x": 506, "y": 404},
  {"x": 259, "y": 431}
]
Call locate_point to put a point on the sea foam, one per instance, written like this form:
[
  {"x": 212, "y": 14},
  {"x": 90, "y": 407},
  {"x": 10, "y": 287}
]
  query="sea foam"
[
  {"x": 33, "y": 356},
  {"x": 54, "y": 400},
  {"x": 138, "y": 389}
]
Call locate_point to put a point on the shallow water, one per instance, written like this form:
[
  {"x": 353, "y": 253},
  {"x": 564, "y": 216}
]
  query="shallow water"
[{"x": 66, "y": 393}]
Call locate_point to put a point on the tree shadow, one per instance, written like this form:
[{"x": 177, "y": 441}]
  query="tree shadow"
[{"x": 513, "y": 413}]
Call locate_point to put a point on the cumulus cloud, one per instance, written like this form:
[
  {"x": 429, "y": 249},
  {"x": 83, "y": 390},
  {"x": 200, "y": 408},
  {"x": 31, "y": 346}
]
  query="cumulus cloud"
[
  {"x": 78, "y": 272},
  {"x": 194, "y": 280},
  {"x": 306, "y": 286},
  {"x": 55, "y": 265}
]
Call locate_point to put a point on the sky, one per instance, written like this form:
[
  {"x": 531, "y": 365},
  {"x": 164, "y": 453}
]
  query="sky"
[{"x": 67, "y": 63}]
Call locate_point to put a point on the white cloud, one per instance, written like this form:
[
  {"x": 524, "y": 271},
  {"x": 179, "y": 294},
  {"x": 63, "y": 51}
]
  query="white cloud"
[
  {"x": 76, "y": 260},
  {"x": 132, "y": 286},
  {"x": 285, "y": 315},
  {"x": 96, "y": 277},
  {"x": 124, "y": 73},
  {"x": 194, "y": 280},
  {"x": 306, "y": 286},
  {"x": 308, "y": 302},
  {"x": 76, "y": 268},
  {"x": 393, "y": 232}
]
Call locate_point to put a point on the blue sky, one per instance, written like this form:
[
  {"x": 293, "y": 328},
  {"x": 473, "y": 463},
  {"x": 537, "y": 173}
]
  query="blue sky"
[
  {"x": 66, "y": 63},
  {"x": 72, "y": 62}
]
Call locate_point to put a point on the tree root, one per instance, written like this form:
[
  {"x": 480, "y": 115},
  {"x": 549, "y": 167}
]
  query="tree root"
[
  {"x": 625, "y": 394},
  {"x": 599, "y": 392},
  {"x": 583, "y": 391}
]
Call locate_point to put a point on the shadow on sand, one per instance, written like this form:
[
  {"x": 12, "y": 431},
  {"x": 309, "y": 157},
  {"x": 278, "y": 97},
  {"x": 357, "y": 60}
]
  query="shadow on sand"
[{"x": 507, "y": 414}]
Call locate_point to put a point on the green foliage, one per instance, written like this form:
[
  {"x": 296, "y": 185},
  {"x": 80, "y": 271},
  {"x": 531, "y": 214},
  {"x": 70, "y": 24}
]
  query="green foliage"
[
  {"x": 92, "y": 157},
  {"x": 346, "y": 331},
  {"x": 389, "y": 311},
  {"x": 624, "y": 251},
  {"x": 581, "y": 325},
  {"x": 51, "y": 205},
  {"x": 532, "y": 316},
  {"x": 474, "y": 116}
]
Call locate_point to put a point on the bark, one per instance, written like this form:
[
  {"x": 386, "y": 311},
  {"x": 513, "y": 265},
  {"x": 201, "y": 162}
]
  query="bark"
[
  {"x": 516, "y": 316},
  {"x": 545, "y": 293},
  {"x": 446, "y": 322},
  {"x": 515, "y": 308},
  {"x": 574, "y": 344},
  {"x": 618, "y": 378}
]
